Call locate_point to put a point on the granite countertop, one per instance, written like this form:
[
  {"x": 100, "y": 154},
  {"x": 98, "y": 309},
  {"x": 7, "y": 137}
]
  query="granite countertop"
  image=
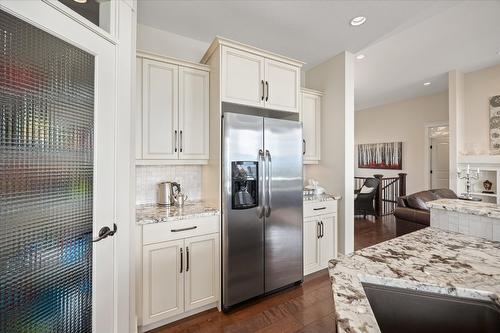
[
  {"x": 467, "y": 207},
  {"x": 321, "y": 197},
  {"x": 430, "y": 260},
  {"x": 153, "y": 213}
]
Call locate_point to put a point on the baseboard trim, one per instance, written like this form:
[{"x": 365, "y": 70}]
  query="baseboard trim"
[{"x": 166, "y": 321}]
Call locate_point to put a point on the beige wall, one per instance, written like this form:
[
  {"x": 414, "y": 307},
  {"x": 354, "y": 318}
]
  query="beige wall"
[
  {"x": 401, "y": 121},
  {"x": 479, "y": 86},
  {"x": 335, "y": 78}
]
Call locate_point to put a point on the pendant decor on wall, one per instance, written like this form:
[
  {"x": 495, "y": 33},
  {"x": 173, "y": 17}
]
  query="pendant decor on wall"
[
  {"x": 380, "y": 155},
  {"x": 495, "y": 125}
]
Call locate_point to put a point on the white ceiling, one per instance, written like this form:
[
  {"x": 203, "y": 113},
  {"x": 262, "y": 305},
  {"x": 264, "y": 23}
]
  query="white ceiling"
[{"x": 406, "y": 42}]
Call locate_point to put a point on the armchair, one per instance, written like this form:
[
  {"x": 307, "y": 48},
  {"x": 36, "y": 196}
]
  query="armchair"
[{"x": 363, "y": 202}]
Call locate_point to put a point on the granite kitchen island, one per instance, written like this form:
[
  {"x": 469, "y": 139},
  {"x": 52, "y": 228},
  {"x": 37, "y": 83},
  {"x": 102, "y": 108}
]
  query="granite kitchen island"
[
  {"x": 480, "y": 219},
  {"x": 428, "y": 260}
]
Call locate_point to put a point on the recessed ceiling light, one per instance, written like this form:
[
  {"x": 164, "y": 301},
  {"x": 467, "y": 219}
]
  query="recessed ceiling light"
[
  {"x": 80, "y": 1},
  {"x": 427, "y": 84},
  {"x": 358, "y": 20},
  {"x": 360, "y": 56}
]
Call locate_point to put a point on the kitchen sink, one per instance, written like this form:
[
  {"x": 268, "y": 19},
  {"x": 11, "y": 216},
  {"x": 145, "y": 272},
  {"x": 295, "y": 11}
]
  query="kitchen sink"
[{"x": 403, "y": 310}]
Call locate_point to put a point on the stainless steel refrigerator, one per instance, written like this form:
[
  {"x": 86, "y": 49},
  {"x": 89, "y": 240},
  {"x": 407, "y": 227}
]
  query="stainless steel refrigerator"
[{"x": 261, "y": 206}]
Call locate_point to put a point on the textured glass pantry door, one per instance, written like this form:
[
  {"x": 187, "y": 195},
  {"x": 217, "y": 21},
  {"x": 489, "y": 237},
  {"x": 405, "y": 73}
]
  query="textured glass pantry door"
[{"x": 51, "y": 206}]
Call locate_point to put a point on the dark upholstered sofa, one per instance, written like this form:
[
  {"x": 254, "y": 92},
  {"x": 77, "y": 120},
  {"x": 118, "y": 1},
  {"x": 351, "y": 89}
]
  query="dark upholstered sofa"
[{"x": 412, "y": 212}]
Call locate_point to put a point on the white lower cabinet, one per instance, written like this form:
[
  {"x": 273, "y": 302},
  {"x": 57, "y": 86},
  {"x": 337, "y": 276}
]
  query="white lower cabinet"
[
  {"x": 202, "y": 265},
  {"x": 320, "y": 235},
  {"x": 163, "y": 281},
  {"x": 311, "y": 245},
  {"x": 179, "y": 276}
]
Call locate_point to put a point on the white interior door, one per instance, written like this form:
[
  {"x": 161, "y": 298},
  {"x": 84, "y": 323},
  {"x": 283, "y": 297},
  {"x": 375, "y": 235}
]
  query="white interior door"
[
  {"x": 99, "y": 54},
  {"x": 440, "y": 153}
]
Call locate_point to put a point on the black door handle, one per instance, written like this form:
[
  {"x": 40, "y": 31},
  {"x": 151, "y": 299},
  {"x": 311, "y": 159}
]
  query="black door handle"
[
  {"x": 262, "y": 98},
  {"x": 303, "y": 146},
  {"x": 322, "y": 229},
  {"x": 105, "y": 232},
  {"x": 318, "y": 230},
  {"x": 267, "y": 94},
  {"x": 182, "y": 257},
  {"x": 187, "y": 258}
]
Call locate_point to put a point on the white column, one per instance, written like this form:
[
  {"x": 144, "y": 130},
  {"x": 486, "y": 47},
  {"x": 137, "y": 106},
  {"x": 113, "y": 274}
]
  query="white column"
[
  {"x": 456, "y": 111},
  {"x": 335, "y": 171}
]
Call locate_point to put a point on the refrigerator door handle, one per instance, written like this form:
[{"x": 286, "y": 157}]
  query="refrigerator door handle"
[
  {"x": 261, "y": 184},
  {"x": 269, "y": 174}
]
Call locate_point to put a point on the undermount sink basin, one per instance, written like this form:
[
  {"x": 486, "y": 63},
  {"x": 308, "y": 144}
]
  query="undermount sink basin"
[{"x": 403, "y": 310}]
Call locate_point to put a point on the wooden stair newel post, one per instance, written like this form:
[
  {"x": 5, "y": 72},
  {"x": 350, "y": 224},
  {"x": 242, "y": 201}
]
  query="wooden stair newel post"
[
  {"x": 378, "y": 196},
  {"x": 402, "y": 184}
]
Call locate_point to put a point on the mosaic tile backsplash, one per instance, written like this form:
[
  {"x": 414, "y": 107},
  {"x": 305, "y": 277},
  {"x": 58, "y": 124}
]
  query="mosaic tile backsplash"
[{"x": 148, "y": 177}]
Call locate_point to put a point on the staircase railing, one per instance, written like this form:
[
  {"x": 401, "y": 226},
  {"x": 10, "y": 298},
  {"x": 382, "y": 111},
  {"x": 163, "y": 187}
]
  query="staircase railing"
[{"x": 387, "y": 194}]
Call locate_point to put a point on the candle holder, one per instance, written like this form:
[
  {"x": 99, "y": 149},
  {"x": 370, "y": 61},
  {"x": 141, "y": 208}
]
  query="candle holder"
[{"x": 474, "y": 175}]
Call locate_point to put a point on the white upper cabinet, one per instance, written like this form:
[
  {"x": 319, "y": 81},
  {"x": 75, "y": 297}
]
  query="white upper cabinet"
[
  {"x": 159, "y": 110},
  {"x": 173, "y": 111},
  {"x": 242, "y": 77},
  {"x": 254, "y": 77},
  {"x": 282, "y": 86},
  {"x": 310, "y": 115},
  {"x": 193, "y": 114},
  {"x": 138, "y": 114}
]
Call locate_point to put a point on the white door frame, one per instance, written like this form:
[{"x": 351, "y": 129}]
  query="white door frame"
[
  {"x": 113, "y": 308},
  {"x": 427, "y": 161}
]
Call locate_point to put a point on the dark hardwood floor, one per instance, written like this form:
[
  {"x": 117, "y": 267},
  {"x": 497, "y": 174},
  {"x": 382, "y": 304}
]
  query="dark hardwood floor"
[
  {"x": 370, "y": 231},
  {"x": 305, "y": 308}
]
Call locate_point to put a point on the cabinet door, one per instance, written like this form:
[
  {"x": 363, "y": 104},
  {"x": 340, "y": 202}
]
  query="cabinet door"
[
  {"x": 328, "y": 243},
  {"x": 311, "y": 246},
  {"x": 193, "y": 113},
  {"x": 242, "y": 77},
  {"x": 138, "y": 111},
  {"x": 160, "y": 109},
  {"x": 282, "y": 86},
  {"x": 163, "y": 280},
  {"x": 202, "y": 270},
  {"x": 310, "y": 115}
]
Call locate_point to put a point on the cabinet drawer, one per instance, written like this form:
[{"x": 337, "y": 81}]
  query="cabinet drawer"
[
  {"x": 320, "y": 208},
  {"x": 166, "y": 231}
]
